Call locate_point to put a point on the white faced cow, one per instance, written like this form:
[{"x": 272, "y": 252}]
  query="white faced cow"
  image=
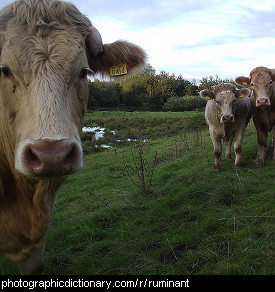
[
  {"x": 261, "y": 80},
  {"x": 227, "y": 114},
  {"x": 47, "y": 49}
]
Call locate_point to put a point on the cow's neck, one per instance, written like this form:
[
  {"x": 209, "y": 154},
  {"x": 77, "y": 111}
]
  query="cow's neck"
[
  {"x": 39, "y": 194},
  {"x": 227, "y": 130},
  {"x": 272, "y": 98},
  {"x": 26, "y": 207},
  {"x": 266, "y": 115}
]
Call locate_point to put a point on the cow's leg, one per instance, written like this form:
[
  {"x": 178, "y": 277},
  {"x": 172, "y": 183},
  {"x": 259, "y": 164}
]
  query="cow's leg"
[
  {"x": 262, "y": 142},
  {"x": 273, "y": 143},
  {"x": 217, "y": 144},
  {"x": 238, "y": 147},
  {"x": 34, "y": 263},
  {"x": 228, "y": 147}
]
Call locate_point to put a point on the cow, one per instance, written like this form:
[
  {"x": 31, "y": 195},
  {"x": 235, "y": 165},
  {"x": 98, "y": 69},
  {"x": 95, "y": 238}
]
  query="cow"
[
  {"x": 47, "y": 47},
  {"x": 227, "y": 114},
  {"x": 263, "y": 105}
]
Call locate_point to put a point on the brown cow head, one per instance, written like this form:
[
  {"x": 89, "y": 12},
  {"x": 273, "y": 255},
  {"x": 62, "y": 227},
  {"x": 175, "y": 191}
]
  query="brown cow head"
[
  {"x": 47, "y": 50},
  {"x": 261, "y": 82},
  {"x": 225, "y": 96}
]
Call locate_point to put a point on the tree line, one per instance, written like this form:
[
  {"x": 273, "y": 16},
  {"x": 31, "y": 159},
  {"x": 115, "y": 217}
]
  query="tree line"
[{"x": 149, "y": 90}]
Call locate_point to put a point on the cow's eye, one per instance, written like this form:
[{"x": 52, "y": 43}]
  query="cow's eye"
[
  {"x": 218, "y": 102},
  {"x": 6, "y": 71},
  {"x": 270, "y": 82},
  {"x": 84, "y": 72}
]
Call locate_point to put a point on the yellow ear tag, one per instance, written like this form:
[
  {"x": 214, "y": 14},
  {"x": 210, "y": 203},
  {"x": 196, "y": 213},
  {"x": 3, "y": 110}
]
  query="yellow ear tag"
[
  {"x": 118, "y": 70},
  {"x": 241, "y": 95},
  {"x": 244, "y": 83},
  {"x": 207, "y": 97}
]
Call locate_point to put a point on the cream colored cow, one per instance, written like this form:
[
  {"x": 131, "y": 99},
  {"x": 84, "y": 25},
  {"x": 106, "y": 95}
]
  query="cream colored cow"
[
  {"x": 47, "y": 49},
  {"x": 227, "y": 114}
]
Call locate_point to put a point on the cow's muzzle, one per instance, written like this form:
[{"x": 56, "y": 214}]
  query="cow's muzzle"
[
  {"x": 50, "y": 158},
  {"x": 227, "y": 119},
  {"x": 262, "y": 101}
]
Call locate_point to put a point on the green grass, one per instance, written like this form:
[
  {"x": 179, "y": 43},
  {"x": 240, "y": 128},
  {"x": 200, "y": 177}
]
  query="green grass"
[{"x": 189, "y": 220}]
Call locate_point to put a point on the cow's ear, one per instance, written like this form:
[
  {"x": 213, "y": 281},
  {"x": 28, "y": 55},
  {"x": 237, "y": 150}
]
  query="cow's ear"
[
  {"x": 2, "y": 40},
  {"x": 118, "y": 58},
  {"x": 273, "y": 74},
  {"x": 243, "y": 92},
  {"x": 243, "y": 81},
  {"x": 93, "y": 42},
  {"x": 207, "y": 94}
]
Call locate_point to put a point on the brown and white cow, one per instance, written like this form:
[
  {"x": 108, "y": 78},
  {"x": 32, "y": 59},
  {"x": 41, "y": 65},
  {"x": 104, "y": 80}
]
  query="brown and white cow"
[
  {"x": 47, "y": 49},
  {"x": 227, "y": 114},
  {"x": 263, "y": 105}
]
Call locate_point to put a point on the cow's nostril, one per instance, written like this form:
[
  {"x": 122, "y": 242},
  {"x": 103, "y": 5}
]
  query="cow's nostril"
[
  {"x": 70, "y": 157},
  {"x": 32, "y": 159}
]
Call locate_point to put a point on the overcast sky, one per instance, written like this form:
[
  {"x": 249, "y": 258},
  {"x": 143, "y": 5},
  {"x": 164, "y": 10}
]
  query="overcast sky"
[{"x": 195, "y": 38}]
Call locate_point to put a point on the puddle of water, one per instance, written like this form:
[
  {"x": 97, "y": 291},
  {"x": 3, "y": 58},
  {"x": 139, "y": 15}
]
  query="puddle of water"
[{"x": 99, "y": 133}]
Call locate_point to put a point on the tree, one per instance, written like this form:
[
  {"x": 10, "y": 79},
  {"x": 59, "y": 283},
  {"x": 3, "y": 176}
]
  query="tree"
[
  {"x": 209, "y": 82},
  {"x": 103, "y": 94},
  {"x": 148, "y": 90}
]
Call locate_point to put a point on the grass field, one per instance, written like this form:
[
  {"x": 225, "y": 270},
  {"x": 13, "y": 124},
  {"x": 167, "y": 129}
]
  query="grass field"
[{"x": 158, "y": 207}]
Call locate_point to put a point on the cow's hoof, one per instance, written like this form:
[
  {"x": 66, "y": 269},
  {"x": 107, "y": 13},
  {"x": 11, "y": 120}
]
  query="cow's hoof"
[
  {"x": 217, "y": 168},
  {"x": 238, "y": 166}
]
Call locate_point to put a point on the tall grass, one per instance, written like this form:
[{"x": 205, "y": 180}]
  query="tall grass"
[{"x": 196, "y": 222}]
